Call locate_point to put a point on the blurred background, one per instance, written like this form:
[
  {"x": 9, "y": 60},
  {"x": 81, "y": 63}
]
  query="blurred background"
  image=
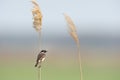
[{"x": 98, "y": 27}]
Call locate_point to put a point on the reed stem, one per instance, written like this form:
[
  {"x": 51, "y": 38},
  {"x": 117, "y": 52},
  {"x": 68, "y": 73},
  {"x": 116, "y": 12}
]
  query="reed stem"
[
  {"x": 39, "y": 74},
  {"x": 39, "y": 41},
  {"x": 80, "y": 62}
]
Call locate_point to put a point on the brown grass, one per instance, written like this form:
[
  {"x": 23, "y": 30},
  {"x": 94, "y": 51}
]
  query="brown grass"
[{"x": 73, "y": 33}]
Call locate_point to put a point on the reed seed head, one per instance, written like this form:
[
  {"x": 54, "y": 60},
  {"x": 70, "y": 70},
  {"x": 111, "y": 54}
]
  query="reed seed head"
[
  {"x": 37, "y": 16},
  {"x": 72, "y": 28}
]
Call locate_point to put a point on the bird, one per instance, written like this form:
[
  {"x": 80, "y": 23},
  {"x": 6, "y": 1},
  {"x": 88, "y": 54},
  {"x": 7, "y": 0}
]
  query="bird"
[{"x": 40, "y": 58}]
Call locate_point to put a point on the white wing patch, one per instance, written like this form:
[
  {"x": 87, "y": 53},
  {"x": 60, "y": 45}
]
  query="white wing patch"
[{"x": 43, "y": 59}]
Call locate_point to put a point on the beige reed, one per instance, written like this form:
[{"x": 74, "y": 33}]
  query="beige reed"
[
  {"x": 37, "y": 16},
  {"x": 37, "y": 23},
  {"x": 73, "y": 33}
]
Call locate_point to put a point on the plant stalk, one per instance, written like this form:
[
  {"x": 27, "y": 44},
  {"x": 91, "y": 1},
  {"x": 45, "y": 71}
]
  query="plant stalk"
[
  {"x": 39, "y": 74},
  {"x": 39, "y": 41},
  {"x": 80, "y": 62}
]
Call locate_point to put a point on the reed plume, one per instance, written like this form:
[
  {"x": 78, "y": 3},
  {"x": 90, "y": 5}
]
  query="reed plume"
[
  {"x": 37, "y": 20},
  {"x": 37, "y": 24},
  {"x": 73, "y": 33},
  {"x": 37, "y": 16}
]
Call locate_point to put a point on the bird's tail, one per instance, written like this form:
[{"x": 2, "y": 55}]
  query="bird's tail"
[{"x": 36, "y": 64}]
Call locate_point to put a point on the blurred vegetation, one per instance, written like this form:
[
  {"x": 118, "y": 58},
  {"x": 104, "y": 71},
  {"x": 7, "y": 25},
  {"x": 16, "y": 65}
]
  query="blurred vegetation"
[{"x": 24, "y": 70}]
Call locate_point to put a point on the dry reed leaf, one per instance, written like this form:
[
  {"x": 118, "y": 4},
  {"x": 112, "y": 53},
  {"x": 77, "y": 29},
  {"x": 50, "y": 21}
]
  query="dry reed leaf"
[
  {"x": 72, "y": 28},
  {"x": 70, "y": 23},
  {"x": 73, "y": 33},
  {"x": 75, "y": 37},
  {"x": 35, "y": 3},
  {"x": 37, "y": 16}
]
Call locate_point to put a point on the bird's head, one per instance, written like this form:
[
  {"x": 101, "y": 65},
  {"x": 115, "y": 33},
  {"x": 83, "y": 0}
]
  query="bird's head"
[{"x": 43, "y": 51}]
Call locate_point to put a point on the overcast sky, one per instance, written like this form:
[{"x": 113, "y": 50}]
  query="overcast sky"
[{"x": 100, "y": 17}]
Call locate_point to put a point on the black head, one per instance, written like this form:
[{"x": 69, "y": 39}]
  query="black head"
[{"x": 43, "y": 51}]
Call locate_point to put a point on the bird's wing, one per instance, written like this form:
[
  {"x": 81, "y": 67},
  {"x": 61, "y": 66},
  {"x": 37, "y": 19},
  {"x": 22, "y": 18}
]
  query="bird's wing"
[{"x": 42, "y": 56}]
